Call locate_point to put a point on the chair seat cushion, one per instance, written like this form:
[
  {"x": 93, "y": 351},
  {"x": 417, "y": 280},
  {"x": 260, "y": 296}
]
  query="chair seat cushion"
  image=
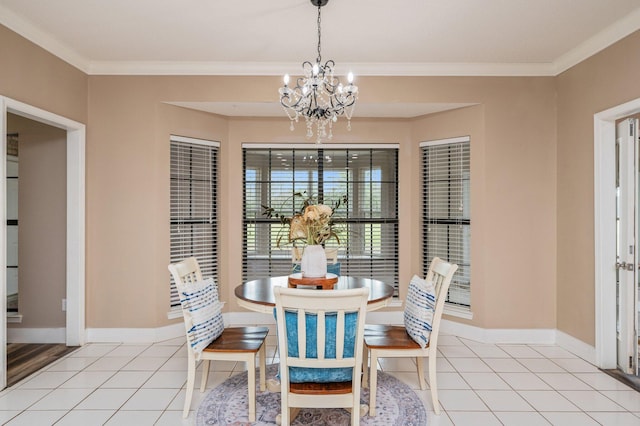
[
  {"x": 202, "y": 312},
  {"x": 419, "y": 310},
  {"x": 321, "y": 375}
]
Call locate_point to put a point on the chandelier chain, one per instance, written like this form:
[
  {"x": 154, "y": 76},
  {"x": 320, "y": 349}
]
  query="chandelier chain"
[{"x": 319, "y": 60}]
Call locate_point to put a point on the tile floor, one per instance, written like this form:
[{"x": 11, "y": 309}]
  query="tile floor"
[{"x": 480, "y": 384}]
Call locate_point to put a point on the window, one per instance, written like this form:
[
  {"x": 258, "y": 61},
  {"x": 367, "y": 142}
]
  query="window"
[
  {"x": 368, "y": 222},
  {"x": 194, "y": 195},
  {"x": 446, "y": 219}
]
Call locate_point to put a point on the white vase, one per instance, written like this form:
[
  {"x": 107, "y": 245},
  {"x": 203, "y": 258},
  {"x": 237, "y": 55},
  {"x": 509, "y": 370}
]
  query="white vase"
[{"x": 314, "y": 262}]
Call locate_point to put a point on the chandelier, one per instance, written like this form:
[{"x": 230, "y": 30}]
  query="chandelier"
[{"x": 319, "y": 96}]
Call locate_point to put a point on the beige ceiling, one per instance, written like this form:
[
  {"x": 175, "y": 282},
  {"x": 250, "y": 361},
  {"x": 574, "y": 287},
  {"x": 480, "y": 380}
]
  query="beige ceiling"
[{"x": 368, "y": 37}]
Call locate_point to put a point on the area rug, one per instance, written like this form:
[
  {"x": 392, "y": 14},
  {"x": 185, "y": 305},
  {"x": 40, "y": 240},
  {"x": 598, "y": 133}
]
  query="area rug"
[{"x": 397, "y": 404}]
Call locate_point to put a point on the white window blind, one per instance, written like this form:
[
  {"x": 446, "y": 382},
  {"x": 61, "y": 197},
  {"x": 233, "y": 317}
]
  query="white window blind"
[
  {"x": 446, "y": 219},
  {"x": 194, "y": 215},
  {"x": 367, "y": 222}
]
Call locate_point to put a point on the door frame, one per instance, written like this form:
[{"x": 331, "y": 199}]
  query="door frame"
[
  {"x": 75, "y": 238},
  {"x": 604, "y": 137}
]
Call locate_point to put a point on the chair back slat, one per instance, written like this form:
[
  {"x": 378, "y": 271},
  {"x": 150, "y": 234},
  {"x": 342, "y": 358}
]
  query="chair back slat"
[
  {"x": 321, "y": 333},
  {"x": 441, "y": 274}
]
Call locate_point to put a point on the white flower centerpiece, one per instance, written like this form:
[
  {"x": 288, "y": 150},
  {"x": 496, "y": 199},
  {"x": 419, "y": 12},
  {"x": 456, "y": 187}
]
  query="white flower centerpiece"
[{"x": 312, "y": 226}]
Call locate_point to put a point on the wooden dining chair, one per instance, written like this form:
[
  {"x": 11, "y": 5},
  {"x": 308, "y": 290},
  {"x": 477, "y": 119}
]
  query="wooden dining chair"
[
  {"x": 418, "y": 337},
  {"x": 208, "y": 340},
  {"x": 320, "y": 336}
]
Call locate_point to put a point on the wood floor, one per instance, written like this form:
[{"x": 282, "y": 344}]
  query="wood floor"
[{"x": 24, "y": 359}]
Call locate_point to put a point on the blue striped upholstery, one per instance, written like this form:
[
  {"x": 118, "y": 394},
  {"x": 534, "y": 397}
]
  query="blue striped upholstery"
[
  {"x": 419, "y": 309},
  {"x": 203, "y": 313}
]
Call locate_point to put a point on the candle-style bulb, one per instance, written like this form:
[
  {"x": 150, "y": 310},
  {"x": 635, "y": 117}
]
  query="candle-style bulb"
[{"x": 286, "y": 79}]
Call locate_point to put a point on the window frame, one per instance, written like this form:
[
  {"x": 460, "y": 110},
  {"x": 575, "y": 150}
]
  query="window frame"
[
  {"x": 207, "y": 253},
  {"x": 459, "y": 251},
  {"x": 261, "y": 192}
]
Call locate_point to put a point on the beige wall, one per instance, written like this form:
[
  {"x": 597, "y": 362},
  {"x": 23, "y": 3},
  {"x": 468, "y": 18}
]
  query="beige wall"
[
  {"x": 532, "y": 176},
  {"x": 605, "y": 80},
  {"x": 42, "y": 223},
  {"x": 127, "y": 184}
]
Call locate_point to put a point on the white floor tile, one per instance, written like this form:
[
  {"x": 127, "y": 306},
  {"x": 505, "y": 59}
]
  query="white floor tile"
[
  {"x": 616, "y": 419},
  {"x": 5, "y": 416},
  {"x": 522, "y": 419},
  {"x": 72, "y": 364},
  {"x": 541, "y": 365},
  {"x": 504, "y": 400},
  {"x": 144, "y": 364},
  {"x": 61, "y": 399},
  {"x": 489, "y": 351},
  {"x": 85, "y": 418},
  {"x": 449, "y": 340},
  {"x": 167, "y": 379},
  {"x": 150, "y": 399},
  {"x": 552, "y": 351},
  {"x": 47, "y": 380},
  {"x": 569, "y": 419},
  {"x": 520, "y": 351},
  {"x": 524, "y": 381},
  {"x": 474, "y": 418},
  {"x": 20, "y": 399},
  {"x": 174, "y": 364},
  {"x": 464, "y": 365},
  {"x": 576, "y": 365},
  {"x": 137, "y": 418},
  {"x": 451, "y": 381},
  {"x": 601, "y": 381},
  {"x": 160, "y": 351},
  {"x": 128, "y": 350},
  {"x": 106, "y": 399},
  {"x": 506, "y": 365},
  {"x": 128, "y": 379},
  {"x": 174, "y": 418},
  {"x": 591, "y": 401},
  {"x": 485, "y": 381},
  {"x": 31, "y": 418},
  {"x": 548, "y": 401},
  {"x": 456, "y": 352},
  {"x": 438, "y": 420},
  {"x": 460, "y": 400},
  {"x": 88, "y": 379},
  {"x": 109, "y": 363},
  {"x": 93, "y": 350},
  {"x": 628, "y": 399},
  {"x": 563, "y": 381}
]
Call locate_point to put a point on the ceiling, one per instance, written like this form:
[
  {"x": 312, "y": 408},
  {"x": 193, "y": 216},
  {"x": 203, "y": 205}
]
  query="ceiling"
[{"x": 368, "y": 37}]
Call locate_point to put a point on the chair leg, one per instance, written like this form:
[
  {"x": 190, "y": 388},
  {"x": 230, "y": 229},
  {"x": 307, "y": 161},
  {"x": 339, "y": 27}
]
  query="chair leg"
[
  {"x": 251, "y": 385},
  {"x": 191, "y": 378},
  {"x": 433, "y": 384},
  {"x": 419, "y": 362},
  {"x": 365, "y": 367},
  {"x": 373, "y": 382},
  {"x": 205, "y": 374},
  {"x": 263, "y": 367}
]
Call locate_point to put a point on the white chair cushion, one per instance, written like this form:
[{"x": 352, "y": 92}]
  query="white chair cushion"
[
  {"x": 419, "y": 309},
  {"x": 202, "y": 312}
]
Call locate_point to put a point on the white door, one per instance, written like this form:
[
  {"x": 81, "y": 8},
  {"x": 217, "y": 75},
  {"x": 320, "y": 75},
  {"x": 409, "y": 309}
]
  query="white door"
[{"x": 627, "y": 259}]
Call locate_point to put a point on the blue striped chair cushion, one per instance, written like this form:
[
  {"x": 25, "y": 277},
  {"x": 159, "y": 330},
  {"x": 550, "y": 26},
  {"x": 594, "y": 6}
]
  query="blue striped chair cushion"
[
  {"x": 419, "y": 309},
  {"x": 203, "y": 313}
]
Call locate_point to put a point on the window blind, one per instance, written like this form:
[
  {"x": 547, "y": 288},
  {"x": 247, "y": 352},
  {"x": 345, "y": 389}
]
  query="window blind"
[
  {"x": 194, "y": 215},
  {"x": 446, "y": 218},
  {"x": 367, "y": 223}
]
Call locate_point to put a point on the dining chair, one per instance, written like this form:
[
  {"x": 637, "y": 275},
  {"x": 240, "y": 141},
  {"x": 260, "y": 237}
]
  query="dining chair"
[
  {"x": 320, "y": 336},
  {"x": 418, "y": 337},
  {"x": 207, "y": 339}
]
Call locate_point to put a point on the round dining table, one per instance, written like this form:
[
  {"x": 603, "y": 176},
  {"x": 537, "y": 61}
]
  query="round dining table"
[{"x": 257, "y": 295}]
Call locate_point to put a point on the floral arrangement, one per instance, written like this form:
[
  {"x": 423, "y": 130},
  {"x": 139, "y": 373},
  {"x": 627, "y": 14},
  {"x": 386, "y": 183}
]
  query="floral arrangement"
[{"x": 313, "y": 224}]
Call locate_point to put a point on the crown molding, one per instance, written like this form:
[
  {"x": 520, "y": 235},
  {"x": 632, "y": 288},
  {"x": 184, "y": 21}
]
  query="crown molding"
[
  {"x": 598, "y": 42},
  {"x": 589, "y": 47},
  {"x": 43, "y": 39}
]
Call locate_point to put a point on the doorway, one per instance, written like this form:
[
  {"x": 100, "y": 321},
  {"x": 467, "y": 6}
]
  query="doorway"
[
  {"x": 75, "y": 221},
  {"x": 605, "y": 234},
  {"x": 628, "y": 221}
]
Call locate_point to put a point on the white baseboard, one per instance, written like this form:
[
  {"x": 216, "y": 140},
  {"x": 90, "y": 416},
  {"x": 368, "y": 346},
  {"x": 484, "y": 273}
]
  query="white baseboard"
[
  {"x": 134, "y": 335},
  {"x": 36, "y": 335},
  {"x": 482, "y": 335},
  {"x": 576, "y": 347}
]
